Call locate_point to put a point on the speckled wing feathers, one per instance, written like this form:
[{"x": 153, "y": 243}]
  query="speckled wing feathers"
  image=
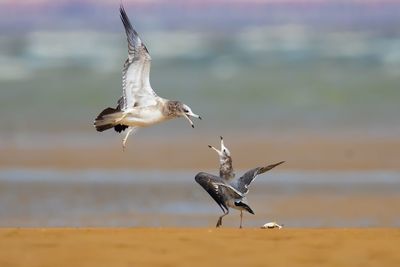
[{"x": 136, "y": 89}]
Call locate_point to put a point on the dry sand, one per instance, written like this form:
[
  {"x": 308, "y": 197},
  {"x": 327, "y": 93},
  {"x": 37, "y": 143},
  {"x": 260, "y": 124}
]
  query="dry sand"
[{"x": 199, "y": 247}]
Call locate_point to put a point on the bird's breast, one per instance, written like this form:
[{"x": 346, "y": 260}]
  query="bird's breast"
[{"x": 145, "y": 117}]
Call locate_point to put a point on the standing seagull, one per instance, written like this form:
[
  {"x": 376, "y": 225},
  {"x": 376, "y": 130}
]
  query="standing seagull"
[
  {"x": 227, "y": 191},
  {"x": 139, "y": 105}
]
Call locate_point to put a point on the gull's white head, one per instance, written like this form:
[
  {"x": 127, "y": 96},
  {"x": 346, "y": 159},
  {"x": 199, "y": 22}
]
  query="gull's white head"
[{"x": 187, "y": 112}]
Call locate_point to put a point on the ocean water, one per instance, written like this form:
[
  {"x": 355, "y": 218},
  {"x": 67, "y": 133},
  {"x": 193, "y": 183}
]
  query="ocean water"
[
  {"x": 101, "y": 198},
  {"x": 282, "y": 78}
]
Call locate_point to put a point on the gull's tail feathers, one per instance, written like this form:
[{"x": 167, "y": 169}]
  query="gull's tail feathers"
[
  {"x": 109, "y": 118},
  {"x": 245, "y": 206}
]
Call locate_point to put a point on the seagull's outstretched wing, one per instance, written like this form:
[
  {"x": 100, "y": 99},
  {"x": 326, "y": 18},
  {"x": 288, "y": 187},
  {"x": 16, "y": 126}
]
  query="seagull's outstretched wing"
[
  {"x": 243, "y": 182},
  {"x": 136, "y": 89},
  {"x": 217, "y": 188}
]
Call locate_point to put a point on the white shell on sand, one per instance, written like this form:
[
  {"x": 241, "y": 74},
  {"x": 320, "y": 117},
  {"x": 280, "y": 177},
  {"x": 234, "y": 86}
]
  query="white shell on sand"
[{"x": 271, "y": 225}]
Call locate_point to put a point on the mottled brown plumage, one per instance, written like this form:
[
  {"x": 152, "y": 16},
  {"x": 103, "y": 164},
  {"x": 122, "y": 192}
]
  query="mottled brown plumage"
[
  {"x": 225, "y": 162},
  {"x": 173, "y": 109},
  {"x": 226, "y": 168}
]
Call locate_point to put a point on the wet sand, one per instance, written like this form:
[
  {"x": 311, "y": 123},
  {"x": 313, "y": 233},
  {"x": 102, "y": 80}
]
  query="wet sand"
[
  {"x": 198, "y": 247},
  {"x": 186, "y": 204},
  {"x": 300, "y": 153}
]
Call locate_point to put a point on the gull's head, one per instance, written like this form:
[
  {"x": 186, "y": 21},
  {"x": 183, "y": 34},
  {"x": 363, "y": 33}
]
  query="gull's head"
[
  {"x": 175, "y": 109},
  {"x": 224, "y": 152},
  {"x": 187, "y": 112}
]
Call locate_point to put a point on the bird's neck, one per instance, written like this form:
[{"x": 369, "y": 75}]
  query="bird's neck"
[
  {"x": 226, "y": 168},
  {"x": 170, "y": 108}
]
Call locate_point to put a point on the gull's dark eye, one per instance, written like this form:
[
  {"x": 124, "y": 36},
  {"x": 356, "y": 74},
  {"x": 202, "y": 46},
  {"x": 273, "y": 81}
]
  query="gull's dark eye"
[{"x": 185, "y": 110}]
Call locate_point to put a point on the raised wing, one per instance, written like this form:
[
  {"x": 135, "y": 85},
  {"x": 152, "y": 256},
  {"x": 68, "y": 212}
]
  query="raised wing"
[
  {"x": 243, "y": 182},
  {"x": 217, "y": 188},
  {"x": 136, "y": 89}
]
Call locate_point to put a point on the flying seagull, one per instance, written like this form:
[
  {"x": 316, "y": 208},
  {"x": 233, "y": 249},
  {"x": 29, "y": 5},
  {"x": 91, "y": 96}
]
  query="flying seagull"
[
  {"x": 225, "y": 189},
  {"x": 139, "y": 105}
]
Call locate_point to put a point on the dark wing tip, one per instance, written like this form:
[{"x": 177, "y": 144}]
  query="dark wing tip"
[
  {"x": 269, "y": 167},
  {"x": 120, "y": 127},
  {"x": 245, "y": 206},
  {"x": 124, "y": 17},
  {"x": 204, "y": 180},
  {"x": 122, "y": 10},
  {"x": 200, "y": 176},
  {"x": 279, "y": 163},
  {"x": 131, "y": 34},
  {"x": 209, "y": 146}
]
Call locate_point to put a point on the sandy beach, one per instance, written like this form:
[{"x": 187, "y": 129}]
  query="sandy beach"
[
  {"x": 198, "y": 247},
  {"x": 303, "y": 152}
]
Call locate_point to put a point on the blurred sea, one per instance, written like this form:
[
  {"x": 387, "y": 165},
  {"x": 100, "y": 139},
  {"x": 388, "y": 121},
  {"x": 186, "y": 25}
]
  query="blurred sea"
[
  {"x": 333, "y": 74},
  {"x": 53, "y": 198}
]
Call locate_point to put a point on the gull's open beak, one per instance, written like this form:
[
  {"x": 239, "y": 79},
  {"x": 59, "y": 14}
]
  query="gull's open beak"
[
  {"x": 222, "y": 143},
  {"x": 191, "y": 114},
  {"x": 190, "y": 121},
  {"x": 216, "y": 150}
]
